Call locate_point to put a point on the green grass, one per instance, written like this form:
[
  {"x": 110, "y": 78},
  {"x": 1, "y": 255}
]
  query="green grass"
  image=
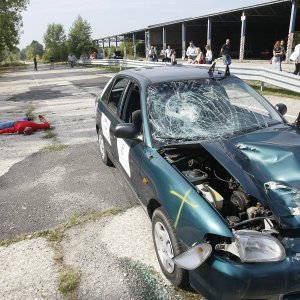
[
  {"x": 273, "y": 90},
  {"x": 29, "y": 113},
  {"x": 68, "y": 281},
  {"x": 49, "y": 134},
  {"x": 55, "y": 148}
]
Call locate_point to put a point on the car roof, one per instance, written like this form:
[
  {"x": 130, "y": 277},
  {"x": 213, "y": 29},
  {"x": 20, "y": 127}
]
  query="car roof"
[{"x": 150, "y": 75}]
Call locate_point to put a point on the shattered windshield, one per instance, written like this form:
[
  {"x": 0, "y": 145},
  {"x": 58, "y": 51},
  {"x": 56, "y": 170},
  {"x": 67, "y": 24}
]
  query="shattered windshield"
[{"x": 205, "y": 109}]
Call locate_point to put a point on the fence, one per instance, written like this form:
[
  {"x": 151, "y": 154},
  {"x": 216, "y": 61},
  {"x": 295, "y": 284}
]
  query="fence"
[{"x": 264, "y": 75}]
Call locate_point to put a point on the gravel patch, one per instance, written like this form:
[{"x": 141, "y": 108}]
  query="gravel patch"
[{"x": 28, "y": 271}]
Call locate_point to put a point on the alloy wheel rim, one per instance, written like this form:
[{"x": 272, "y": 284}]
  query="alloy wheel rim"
[{"x": 164, "y": 247}]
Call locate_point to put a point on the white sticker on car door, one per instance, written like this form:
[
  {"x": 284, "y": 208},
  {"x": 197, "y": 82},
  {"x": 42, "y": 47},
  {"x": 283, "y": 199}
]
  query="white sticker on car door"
[
  {"x": 123, "y": 152},
  {"x": 105, "y": 124}
]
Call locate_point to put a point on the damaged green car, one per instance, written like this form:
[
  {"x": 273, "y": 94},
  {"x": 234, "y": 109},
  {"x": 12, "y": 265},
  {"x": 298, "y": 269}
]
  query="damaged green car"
[{"x": 217, "y": 169}]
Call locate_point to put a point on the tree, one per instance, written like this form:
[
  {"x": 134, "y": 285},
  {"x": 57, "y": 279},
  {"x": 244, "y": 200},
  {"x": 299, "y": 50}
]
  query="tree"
[
  {"x": 80, "y": 38},
  {"x": 55, "y": 42},
  {"x": 10, "y": 22},
  {"x": 34, "y": 49}
]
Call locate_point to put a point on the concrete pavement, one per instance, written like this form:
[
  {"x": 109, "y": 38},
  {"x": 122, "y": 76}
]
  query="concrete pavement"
[
  {"x": 70, "y": 227},
  {"x": 62, "y": 211}
]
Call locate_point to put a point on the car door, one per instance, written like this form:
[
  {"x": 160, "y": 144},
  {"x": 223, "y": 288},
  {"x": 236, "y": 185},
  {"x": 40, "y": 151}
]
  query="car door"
[
  {"x": 110, "y": 112},
  {"x": 130, "y": 151}
]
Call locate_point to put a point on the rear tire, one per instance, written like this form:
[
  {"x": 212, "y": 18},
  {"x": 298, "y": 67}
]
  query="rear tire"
[
  {"x": 103, "y": 153},
  {"x": 167, "y": 246}
]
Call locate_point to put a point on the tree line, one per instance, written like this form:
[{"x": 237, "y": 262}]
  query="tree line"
[{"x": 57, "y": 43}]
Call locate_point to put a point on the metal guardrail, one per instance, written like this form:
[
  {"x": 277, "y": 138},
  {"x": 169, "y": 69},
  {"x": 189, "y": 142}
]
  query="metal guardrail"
[{"x": 265, "y": 75}]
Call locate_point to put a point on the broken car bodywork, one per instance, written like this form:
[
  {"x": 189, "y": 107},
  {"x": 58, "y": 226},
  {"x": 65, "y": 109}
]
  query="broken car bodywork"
[{"x": 224, "y": 166}]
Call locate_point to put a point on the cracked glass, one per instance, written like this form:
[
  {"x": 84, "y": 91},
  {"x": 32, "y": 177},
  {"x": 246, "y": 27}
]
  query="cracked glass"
[{"x": 206, "y": 109}]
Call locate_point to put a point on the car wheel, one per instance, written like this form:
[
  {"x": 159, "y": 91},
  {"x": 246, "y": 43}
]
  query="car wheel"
[
  {"x": 103, "y": 152},
  {"x": 167, "y": 246}
]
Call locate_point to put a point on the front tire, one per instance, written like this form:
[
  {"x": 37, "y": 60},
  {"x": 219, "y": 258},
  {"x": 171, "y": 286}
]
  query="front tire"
[
  {"x": 167, "y": 246},
  {"x": 103, "y": 153}
]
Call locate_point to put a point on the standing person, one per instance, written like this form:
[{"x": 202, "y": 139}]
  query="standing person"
[
  {"x": 51, "y": 62},
  {"x": 35, "y": 63},
  {"x": 282, "y": 46},
  {"x": 152, "y": 56},
  {"x": 208, "y": 55},
  {"x": 168, "y": 53},
  {"x": 173, "y": 58},
  {"x": 225, "y": 51},
  {"x": 296, "y": 58},
  {"x": 163, "y": 55},
  {"x": 277, "y": 54},
  {"x": 199, "y": 58},
  {"x": 191, "y": 52}
]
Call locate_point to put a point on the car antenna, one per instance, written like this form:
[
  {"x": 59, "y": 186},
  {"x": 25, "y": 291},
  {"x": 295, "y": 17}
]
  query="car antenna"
[
  {"x": 227, "y": 72},
  {"x": 212, "y": 69}
]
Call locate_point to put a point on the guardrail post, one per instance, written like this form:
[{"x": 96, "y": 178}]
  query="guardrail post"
[
  {"x": 262, "y": 85},
  {"x": 243, "y": 37},
  {"x": 291, "y": 30}
]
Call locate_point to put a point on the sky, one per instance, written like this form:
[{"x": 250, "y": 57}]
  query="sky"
[{"x": 110, "y": 17}]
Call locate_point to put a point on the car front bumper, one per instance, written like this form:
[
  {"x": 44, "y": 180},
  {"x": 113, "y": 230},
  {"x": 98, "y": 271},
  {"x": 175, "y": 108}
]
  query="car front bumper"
[{"x": 220, "y": 278}]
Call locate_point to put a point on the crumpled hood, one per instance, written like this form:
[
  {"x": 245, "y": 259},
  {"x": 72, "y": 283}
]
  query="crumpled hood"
[{"x": 271, "y": 160}]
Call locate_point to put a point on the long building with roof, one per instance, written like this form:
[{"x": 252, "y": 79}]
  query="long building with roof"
[{"x": 252, "y": 30}]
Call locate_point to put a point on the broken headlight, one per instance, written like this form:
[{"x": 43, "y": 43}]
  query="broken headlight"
[{"x": 253, "y": 246}]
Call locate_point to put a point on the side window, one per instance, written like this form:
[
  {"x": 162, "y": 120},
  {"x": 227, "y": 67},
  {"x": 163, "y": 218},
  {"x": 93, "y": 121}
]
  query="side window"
[
  {"x": 116, "y": 94},
  {"x": 105, "y": 93},
  {"x": 132, "y": 108}
]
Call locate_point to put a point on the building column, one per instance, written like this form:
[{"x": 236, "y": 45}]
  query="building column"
[
  {"x": 291, "y": 30},
  {"x": 134, "y": 45},
  {"x": 208, "y": 31},
  {"x": 146, "y": 44},
  {"x": 164, "y": 38},
  {"x": 243, "y": 37},
  {"x": 124, "y": 41},
  {"x": 183, "y": 39}
]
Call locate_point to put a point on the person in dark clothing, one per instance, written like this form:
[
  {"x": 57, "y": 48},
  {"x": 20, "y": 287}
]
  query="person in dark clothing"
[
  {"x": 283, "y": 57},
  {"x": 35, "y": 63},
  {"x": 225, "y": 51},
  {"x": 51, "y": 62}
]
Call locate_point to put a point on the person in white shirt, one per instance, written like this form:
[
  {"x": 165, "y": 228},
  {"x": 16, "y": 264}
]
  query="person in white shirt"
[
  {"x": 168, "y": 53},
  {"x": 296, "y": 57},
  {"x": 191, "y": 52},
  {"x": 208, "y": 55}
]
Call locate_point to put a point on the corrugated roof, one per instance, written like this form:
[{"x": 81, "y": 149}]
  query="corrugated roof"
[{"x": 207, "y": 15}]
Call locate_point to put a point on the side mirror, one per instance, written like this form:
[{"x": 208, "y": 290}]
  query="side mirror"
[
  {"x": 281, "y": 108},
  {"x": 126, "y": 131}
]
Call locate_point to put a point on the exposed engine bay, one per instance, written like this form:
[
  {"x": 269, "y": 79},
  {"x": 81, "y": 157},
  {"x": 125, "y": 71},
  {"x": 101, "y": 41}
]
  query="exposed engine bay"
[{"x": 218, "y": 187}]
